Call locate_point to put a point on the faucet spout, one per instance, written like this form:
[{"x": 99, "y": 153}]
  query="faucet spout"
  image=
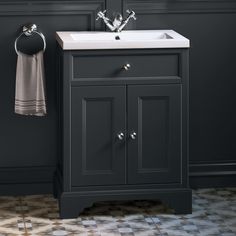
[
  {"x": 118, "y": 23},
  {"x": 118, "y": 19}
]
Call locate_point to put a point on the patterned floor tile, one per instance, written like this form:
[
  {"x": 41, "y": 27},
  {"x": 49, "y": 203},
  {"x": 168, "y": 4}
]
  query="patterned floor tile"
[
  {"x": 11, "y": 220},
  {"x": 214, "y": 214},
  {"x": 41, "y": 206}
]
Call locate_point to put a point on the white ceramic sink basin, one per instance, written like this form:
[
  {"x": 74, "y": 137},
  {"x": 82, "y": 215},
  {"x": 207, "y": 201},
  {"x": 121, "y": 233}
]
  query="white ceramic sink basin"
[
  {"x": 127, "y": 36},
  {"x": 124, "y": 39}
]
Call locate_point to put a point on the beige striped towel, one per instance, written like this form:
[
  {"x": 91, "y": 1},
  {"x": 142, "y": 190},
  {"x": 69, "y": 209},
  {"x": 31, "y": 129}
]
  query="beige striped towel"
[{"x": 30, "y": 96}]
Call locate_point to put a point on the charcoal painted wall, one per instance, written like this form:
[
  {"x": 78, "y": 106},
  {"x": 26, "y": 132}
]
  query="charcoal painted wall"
[{"x": 28, "y": 145}]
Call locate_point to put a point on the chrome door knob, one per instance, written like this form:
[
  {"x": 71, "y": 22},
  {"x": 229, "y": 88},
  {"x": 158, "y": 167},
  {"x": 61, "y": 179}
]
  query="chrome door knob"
[
  {"x": 127, "y": 66},
  {"x": 120, "y": 136},
  {"x": 133, "y": 135}
]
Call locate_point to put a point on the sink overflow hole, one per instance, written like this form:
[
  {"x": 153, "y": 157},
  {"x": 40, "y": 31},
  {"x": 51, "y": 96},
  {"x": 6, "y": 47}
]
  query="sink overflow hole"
[{"x": 117, "y": 37}]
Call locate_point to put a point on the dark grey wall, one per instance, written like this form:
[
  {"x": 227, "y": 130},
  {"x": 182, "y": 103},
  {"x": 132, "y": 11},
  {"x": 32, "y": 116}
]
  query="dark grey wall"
[
  {"x": 28, "y": 145},
  {"x": 208, "y": 24}
]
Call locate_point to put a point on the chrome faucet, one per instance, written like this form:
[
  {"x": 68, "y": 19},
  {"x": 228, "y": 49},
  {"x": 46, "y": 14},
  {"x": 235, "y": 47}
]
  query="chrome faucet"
[{"x": 118, "y": 22}]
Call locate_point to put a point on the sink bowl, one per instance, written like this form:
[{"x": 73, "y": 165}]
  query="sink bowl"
[
  {"x": 127, "y": 36},
  {"x": 124, "y": 39}
]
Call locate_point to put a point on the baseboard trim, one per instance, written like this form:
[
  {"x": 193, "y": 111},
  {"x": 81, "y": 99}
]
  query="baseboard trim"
[
  {"x": 26, "y": 189},
  {"x": 26, "y": 180},
  {"x": 212, "y": 175},
  {"x": 213, "y": 181},
  {"x": 208, "y": 169}
]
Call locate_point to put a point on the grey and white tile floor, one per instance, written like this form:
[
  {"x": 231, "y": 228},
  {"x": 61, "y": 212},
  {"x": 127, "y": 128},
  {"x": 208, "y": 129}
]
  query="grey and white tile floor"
[{"x": 214, "y": 213}]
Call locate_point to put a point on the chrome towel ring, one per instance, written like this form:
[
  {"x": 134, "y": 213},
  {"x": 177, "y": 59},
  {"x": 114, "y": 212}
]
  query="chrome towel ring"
[{"x": 28, "y": 30}]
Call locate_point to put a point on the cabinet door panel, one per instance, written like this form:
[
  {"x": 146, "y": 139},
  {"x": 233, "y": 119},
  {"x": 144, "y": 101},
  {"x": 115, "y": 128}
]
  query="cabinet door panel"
[
  {"x": 98, "y": 114},
  {"x": 155, "y": 115}
]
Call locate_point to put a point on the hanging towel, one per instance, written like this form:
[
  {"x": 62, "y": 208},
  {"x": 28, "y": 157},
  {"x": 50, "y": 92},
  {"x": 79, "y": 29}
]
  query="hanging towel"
[{"x": 30, "y": 96}]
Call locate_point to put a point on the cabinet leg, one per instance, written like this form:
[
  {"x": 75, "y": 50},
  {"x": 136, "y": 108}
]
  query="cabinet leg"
[
  {"x": 183, "y": 207},
  {"x": 181, "y": 202},
  {"x": 71, "y": 207}
]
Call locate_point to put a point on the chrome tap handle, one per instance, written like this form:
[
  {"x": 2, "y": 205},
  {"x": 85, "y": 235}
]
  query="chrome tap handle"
[
  {"x": 101, "y": 14},
  {"x": 124, "y": 23},
  {"x": 106, "y": 20},
  {"x": 131, "y": 14}
]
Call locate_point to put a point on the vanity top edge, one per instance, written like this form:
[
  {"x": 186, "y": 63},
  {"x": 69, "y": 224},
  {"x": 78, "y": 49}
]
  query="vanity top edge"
[{"x": 129, "y": 40}]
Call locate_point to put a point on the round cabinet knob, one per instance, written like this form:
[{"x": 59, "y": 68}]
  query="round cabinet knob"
[
  {"x": 133, "y": 135},
  {"x": 127, "y": 66},
  {"x": 120, "y": 136}
]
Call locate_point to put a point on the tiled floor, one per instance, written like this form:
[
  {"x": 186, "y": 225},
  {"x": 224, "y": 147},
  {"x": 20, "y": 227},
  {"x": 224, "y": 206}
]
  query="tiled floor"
[{"x": 214, "y": 213}]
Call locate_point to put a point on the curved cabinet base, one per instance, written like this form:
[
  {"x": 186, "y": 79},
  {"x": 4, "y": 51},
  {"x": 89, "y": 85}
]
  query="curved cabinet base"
[{"x": 71, "y": 204}]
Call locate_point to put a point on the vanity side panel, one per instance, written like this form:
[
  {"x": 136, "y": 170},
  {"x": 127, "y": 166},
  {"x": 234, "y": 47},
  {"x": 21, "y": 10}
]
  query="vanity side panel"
[{"x": 66, "y": 120}]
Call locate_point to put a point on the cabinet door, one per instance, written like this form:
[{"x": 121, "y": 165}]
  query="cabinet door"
[
  {"x": 154, "y": 114},
  {"x": 97, "y": 116}
]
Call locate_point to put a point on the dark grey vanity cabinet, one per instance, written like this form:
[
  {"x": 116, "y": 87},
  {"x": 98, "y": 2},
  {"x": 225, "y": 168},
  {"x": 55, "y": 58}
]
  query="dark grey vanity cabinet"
[{"x": 124, "y": 133}]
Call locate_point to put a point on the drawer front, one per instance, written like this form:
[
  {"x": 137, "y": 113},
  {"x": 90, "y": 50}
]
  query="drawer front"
[{"x": 113, "y": 65}]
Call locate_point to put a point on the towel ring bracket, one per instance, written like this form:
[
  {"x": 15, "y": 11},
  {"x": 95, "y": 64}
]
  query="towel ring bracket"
[{"x": 28, "y": 30}]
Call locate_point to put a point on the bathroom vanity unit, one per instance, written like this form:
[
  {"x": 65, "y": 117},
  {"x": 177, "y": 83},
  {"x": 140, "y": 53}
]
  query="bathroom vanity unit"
[{"x": 123, "y": 119}]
